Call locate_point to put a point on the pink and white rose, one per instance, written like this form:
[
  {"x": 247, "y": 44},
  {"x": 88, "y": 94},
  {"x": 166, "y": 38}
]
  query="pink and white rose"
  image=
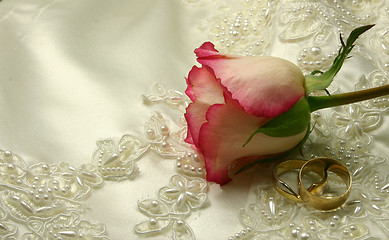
[{"x": 234, "y": 96}]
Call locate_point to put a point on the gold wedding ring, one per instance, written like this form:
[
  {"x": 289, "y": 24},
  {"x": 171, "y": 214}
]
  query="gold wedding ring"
[
  {"x": 281, "y": 186},
  {"x": 319, "y": 201},
  {"x": 313, "y": 195}
]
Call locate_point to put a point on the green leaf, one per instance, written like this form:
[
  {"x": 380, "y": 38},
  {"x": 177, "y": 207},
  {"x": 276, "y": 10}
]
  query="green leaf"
[
  {"x": 320, "y": 82},
  {"x": 287, "y": 124}
]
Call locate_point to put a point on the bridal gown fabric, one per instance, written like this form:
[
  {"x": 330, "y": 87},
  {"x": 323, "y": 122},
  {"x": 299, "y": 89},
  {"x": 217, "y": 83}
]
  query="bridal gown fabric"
[{"x": 91, "y": 127}]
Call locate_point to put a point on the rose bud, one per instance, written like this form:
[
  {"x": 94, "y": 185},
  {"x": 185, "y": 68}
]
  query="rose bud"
[
  {"x": 235, "y": 97},
  {"x": 247, "y": 110}
]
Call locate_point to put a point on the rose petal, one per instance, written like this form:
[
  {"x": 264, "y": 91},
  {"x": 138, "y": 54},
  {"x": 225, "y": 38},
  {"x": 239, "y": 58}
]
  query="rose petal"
[
  {"x": 206, "y": 50},
  {"x": 207, "y": 91},
  {"x": 221, "y": 139},
  {"x": 195, "y": 117},
  {"x": 189, "y": 138},
  {"x": 264, "y": 86},
  {"x": 205, "y": 86},
  {"x": 189, "y": 90}
]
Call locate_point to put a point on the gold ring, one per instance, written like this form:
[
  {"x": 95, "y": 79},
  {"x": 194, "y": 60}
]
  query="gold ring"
[
  {"x": 284, "y": 189},
  {"x": 315, "y": 197}
]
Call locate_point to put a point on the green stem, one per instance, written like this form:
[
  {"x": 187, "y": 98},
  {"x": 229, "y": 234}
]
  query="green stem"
[{"x": 320, "y": 102}]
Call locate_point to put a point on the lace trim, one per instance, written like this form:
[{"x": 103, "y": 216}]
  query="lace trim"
[
  {"x": 49, "y": 199},
  {"x": 185, "y": 192},
  {"x": 46, "y": 199},
  {"x": 174, "y": 204}
]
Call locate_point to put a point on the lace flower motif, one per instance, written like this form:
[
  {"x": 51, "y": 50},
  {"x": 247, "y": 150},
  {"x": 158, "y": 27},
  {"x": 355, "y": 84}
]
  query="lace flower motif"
[
  {"x": 175, "y": 203},
  {"x": 117, "y": 162},
  {"x": 184, "y": 194},
  {"x": 355, "y": 121},
  {"x": 375, "y": 79},
  {"x": 363, "y": 203},
  {"x": 84, "y": 177},
  {"x": 270, "y": 212}
]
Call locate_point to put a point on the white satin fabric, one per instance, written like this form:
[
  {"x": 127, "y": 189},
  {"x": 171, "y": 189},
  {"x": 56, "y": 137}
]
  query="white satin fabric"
[{"x": 73, "y": 72}]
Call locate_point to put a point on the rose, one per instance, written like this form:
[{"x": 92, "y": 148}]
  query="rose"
[
  {"x": 234, "y": 97},
  {"x": 250, "y": 109}
]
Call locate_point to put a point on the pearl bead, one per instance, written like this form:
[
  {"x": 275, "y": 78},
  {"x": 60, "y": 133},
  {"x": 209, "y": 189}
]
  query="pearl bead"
[
  {"x": 153, "y": 222},
  {"x": 305, "y": 236},
  {"x": 7, "y": 154},
  {"x": 150, "y": 132},
  {"x": 295, "y": 233},
  {"x": 315, "y": 50},
  {"x": 196, "y": 157},
  {"x": 164, "y": 144},
  {"x": 164, "y": 128},
  {"x": 154, "y": 204},
  {"x": 180, "y": 223}
]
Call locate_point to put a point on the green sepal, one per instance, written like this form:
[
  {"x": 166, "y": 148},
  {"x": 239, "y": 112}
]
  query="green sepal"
[
  {"x": 315, "y": 82},
  {"x": 287, "y": 124},
  {"x": 294, "y": 150}
]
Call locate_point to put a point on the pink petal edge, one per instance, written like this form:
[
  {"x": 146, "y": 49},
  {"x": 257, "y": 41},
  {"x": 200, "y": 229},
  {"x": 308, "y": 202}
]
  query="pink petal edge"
[
  {"x": 189, "y": 90},
  {"x": 244, "y": 77},
  {"x": 207, "y": 49},
  {"x": 206, "y": 91}
]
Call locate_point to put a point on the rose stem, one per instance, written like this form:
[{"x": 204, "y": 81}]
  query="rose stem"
[{"x": 320, "y": 102}]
